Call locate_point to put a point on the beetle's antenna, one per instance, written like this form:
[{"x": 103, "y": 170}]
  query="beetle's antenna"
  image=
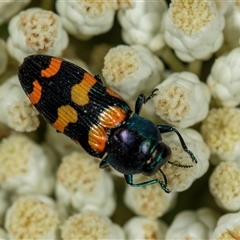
[
  {"x": 180, "y": 165},
  {"x": 164, "y": 176}
]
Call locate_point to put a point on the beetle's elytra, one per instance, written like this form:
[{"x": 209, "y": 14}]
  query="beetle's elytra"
[{"x": 80, "y": 106}]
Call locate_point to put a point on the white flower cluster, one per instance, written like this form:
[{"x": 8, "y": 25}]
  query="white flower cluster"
[
  {"x": 193, "y": 29},
  {"x": 131, "y": 70},
  {"x": 189, "y": 52},
  {"x": 79, "y": 181},
  {"x": 192, "y": 225},
  {"x": 85, "y": 19},
  {"x": 142, "y": 24},
  {"x": 224, "y": 80},
  {"x": 36, "y": 31},
  {"x": 182, "y": 99}
]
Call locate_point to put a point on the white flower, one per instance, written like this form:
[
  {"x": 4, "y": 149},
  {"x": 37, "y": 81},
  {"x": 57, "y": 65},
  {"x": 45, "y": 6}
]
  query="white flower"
[
  {"x": 192, "y": 225},
  {"x": 180, "y": 179},
  {"x": 144, "y": 228},
  {"x": 32, "y": 217},
  {"x": 224, "y": 79},
  {"x": 81, "y": 184},
  {"x": 150, "y": 201},
  {"x": 85, "y": 19},
  {"x": 132, "y": 70},
  {"x": 16, "y": 111},
  {"x": 224, "y": 185},
  {"x": 182, "y": 99},
  {"x": 90, "y": 225},
  {"x": 232, "y": 26},
  {"x": 8, "y": 8},
  {"x": 36, "y": 31},
  {"x": 142, "y": 24},
  {"x": 3, "y": 56},
  {"x": 194, "y": 29},
  {"x": 221, "y": 132},
  {"x": 228, "y": 227},
  {"x": 25, "y": 168}
]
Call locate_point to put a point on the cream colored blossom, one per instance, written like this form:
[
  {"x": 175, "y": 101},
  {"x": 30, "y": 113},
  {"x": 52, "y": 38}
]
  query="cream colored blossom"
[
  {"x": 131, "y": 70},
  {"x": 36, "y": 31},
  {"x": 221, "y": 132},
  {"x": 25, "y": 168},
  {"x": 142, "y": 24},
  {"x": 228, "y": 227},
  {"x": 224, "y": 185},
  {"x": 224, "y": 79},
  {"x": 32, "y": 217},
  {"x": 8, "y": 8},
  {"x": 192, "y": 225},
  {"x": 16, "y": 111},
  {"x": 81, "y": 184},
  {"x": 3, "y": 56},
  {"x": 90, "y": 225},
  {"x": 150, "y": 201},
  {"x": 144, "y": 228},
  {"x": 180, "y": 179},
  {"x": 87, "y": 18},
  {"x": 182, "y": 99},
  {"x": 194, "y": 29}
]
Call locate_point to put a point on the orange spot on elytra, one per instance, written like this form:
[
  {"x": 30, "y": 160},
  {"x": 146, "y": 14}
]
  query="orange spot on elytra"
[
  {"x": 97, "y": 138},
  {"x": 53, "y": 68},
  {"x": 66, "y": 115},
  {"x": 112, "y": 117},
  {"x": 36, "y": 93},
  {"x": 79, "y": 92},
  {"x": 112, "y": 93}
]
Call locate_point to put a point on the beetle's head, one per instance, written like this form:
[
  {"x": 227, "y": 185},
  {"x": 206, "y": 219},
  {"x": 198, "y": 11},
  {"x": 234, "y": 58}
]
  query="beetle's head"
[{"x": 160, "y": 155}]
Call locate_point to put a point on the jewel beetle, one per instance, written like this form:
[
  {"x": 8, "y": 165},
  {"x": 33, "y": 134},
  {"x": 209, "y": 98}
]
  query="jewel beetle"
[{"x": 78, "y": 104}]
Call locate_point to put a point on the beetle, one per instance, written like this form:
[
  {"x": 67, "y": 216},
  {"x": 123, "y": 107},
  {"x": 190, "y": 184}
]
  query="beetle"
[{"x": 79, "y": 105}]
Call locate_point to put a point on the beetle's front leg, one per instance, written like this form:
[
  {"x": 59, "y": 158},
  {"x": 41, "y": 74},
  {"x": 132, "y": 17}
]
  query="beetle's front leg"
[
  {"x": 165, "y": 129},
  {"x": 129, "y": 180},
  {"x": 142, "y": 100}
]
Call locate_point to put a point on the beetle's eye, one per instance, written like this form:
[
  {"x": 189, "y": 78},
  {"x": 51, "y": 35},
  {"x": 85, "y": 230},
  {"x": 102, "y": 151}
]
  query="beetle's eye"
[
  {"x": 160, "y": 156},
  {"x": 166, "y": 154}
]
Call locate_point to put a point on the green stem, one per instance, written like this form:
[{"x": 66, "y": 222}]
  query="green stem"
[
  {"x": 47, "y": 5},
  {"x": 171, "y": 60}
]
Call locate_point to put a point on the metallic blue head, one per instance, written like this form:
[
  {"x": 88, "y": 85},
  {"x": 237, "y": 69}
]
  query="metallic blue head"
[{"x": 136, "y": 147}]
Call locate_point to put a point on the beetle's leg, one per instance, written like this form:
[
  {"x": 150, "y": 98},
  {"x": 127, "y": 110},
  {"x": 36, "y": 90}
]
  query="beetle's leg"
[
  {"x": 165, "y": 129},
  {"x": 98, "y": 77},
  {"x": 139, "y": 103},
  {"x": 151, "y": 95},
  {"x": 142, "y": 100},
  {"x": 129, "y": 180},
  {"x": 103, "y": 164}
]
